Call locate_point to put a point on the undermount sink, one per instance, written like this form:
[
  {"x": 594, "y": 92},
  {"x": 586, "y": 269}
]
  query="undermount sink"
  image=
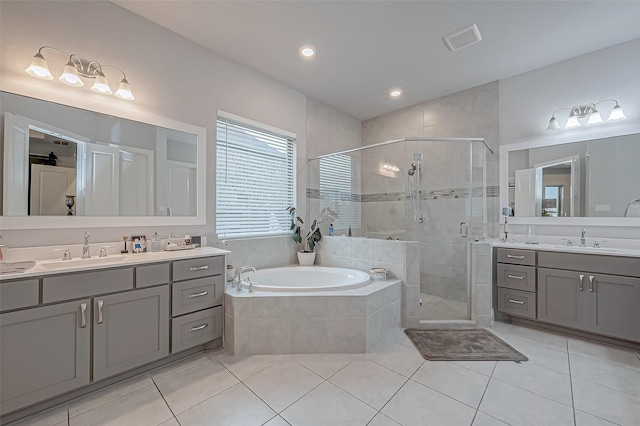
[{"x": 74, "y": 263}]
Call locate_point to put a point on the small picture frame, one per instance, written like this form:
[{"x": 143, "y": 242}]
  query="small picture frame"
[{"x": 138, "y": 244}]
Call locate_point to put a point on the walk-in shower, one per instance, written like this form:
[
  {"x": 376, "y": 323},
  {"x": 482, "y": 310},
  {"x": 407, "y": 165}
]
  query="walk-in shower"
[{"x": 428, "y": 190}]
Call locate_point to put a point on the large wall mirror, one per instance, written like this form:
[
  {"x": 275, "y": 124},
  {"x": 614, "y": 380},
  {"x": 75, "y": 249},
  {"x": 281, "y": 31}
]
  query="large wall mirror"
[
  {"x": 67, "y": 167},
  {"x": 597, "y": 178}
]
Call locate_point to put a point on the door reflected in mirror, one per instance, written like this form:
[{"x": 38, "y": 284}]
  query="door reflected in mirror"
[
  {"x": 595, "y": 178},
  {"x": 109, "y": 165}
]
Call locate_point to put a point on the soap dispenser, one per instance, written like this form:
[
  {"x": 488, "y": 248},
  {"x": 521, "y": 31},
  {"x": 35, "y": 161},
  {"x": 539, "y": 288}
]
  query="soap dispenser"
[{"x": 155, "y": 243}]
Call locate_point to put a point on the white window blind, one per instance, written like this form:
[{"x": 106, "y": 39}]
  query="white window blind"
[
  {"x": 255, "y": 180},
  {"x": 340, "y": 189}
]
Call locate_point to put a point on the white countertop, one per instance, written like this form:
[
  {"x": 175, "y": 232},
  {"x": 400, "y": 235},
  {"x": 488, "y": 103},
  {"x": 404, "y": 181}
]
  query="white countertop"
[
  {"x": 45, "y": 267},
  {"x": 602, "y": 251}
]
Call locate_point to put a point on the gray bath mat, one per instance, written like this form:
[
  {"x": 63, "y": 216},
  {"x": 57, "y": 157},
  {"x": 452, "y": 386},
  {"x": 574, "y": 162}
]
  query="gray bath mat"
[{"x": 462, "y": 345}]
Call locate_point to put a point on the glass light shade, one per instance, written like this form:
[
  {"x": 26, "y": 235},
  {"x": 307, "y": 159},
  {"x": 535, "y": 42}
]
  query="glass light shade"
[
  {"x": 70, "y": 75},
  {"x": 616, "y": 114},
  {"x": 553, "y": 124},
  {"x": 124, "y": 91},
  {"x": 39, "y": 68},
  {"x": 101, "y": 85},
  {"x": 594, "y": 118},
  {"x": 572, "y": 122}
]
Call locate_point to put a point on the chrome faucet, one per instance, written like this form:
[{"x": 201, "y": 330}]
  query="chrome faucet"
[
  {"x": 583, "y": 241},
  {"x": 103, "y": 252},
  {"x": 66, "y": 255},
  {"x": 249, "y": 268},
  {"x": 86, "y": 253}
]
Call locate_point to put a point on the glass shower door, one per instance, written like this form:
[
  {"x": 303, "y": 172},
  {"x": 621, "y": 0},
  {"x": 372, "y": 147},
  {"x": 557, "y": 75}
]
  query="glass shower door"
[{"x": 450, "y": 223}]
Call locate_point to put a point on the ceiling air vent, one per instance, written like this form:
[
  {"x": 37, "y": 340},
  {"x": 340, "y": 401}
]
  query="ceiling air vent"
[{"x": 463, "y": 37}]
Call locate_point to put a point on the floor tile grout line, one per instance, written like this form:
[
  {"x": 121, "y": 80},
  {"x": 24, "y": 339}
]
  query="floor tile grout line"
[
  {"x": 393, "y": 396},
  {"x": 605, "y": 386},
  {"x": 532, "y": 392},
  {"x": 285, "y": 408},
  {"x": 598, "y": 417},
  {"x": 483, "y": 393},
  {"x": 164, "y": 399},
  {"x": 381, "y": 365},
  {"x": 637, "y": 370},
  {"x": 364, "y": 402},
  {"x": 573, "y": 401}
]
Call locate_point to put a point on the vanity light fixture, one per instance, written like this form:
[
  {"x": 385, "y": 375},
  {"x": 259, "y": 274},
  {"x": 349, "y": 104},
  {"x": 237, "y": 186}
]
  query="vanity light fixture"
[
  {"x": 76, "y": 69},
  {"x": 588, "y": 113}
]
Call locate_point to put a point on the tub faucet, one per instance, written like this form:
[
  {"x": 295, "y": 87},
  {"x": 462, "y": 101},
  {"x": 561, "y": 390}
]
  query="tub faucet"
[
  {"x": 249, "y": 268},
  {"x": 86, "y": 253},
  {"x": 583, "y": 241}
]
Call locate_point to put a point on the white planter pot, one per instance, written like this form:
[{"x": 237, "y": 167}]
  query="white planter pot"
[{"x": 306, "y": 258}]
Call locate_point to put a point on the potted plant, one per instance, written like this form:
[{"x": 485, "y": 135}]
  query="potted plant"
[{"x": 307, "y": 255}]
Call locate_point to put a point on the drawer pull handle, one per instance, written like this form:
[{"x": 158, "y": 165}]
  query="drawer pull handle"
[
  {"x": 192, "y": 295},
  {"x": 515, "y": 277},
  {"x": 517, "y": 302},
  {"x": 200, "y": 327},
  {"x": 199, "y": 268},
  {"x": 83, "y": 315},
  {"x": 581, "y": 288},
  {"x": 100, "y": 319},
  {"x": 591, "y": 283},
  {"x": 511, "y": 256}
]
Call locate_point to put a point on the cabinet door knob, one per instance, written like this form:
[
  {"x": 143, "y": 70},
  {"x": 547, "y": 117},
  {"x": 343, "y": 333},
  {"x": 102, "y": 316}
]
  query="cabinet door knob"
[
  {"x": 83, "y": 315},
  {"x": 581, "y": 288},
  {"x": 100, "y": 319}
]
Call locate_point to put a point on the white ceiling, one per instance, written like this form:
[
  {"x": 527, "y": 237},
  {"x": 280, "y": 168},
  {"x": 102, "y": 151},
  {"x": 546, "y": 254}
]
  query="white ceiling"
[{"x": 365, "y": 48}]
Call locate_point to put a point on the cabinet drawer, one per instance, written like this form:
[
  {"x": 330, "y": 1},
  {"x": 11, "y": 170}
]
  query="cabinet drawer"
[
  {"x": 149, "y": 275},
  {"x": 18, "y": 294},
  {"x": 194, "y": 295},
  {"x": 517, "y": 277},
  {"x": 517, "y": 303},
  {"x": 197, "y": 268},
  {"x": 74, "y": 286},
  {"x": 195, "y": 329},
  {"x": 518, "y": 257}
]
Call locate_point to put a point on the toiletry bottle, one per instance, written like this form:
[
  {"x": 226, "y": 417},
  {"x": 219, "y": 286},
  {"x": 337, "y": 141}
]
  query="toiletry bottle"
[
  {"x": 349, "y": 233},
  {"x": 331, "y": 229},
  {"x": 187, "y": 240},
  {"x": 155, "y": 243}
]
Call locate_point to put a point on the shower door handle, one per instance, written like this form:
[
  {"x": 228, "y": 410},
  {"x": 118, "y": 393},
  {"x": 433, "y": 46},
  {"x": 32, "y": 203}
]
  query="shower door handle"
[{"x": 464, "y": 229}]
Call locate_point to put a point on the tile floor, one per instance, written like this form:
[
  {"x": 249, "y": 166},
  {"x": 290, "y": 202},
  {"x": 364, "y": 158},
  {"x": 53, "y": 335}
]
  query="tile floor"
[{"x": 567, "y": 381}]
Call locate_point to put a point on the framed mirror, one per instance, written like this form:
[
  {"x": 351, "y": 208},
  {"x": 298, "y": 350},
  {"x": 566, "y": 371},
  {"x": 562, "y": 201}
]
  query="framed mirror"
[
  {"x": 596, "y": 178},
  {"x": 66, "y": 167}
]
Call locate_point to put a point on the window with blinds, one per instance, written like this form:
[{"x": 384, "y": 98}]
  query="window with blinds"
[
  {"x": 255, "y": 180},
  {"x": 340, "y": 189}
]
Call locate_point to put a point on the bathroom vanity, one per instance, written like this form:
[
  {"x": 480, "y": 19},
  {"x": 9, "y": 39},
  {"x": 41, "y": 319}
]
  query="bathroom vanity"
[
  {"x": 67, "y": 328},
  {"x": 577, "y": 289}
]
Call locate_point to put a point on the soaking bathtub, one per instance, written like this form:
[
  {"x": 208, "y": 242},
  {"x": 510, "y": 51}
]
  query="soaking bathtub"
[
  {"x": 308, "y": 279},
  {"x": 310, "y": 309}
]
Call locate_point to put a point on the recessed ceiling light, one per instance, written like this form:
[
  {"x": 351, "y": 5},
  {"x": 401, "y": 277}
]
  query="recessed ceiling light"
[
  {"x": 307, "y": 51},
  {"x": 395, "y": 93}
]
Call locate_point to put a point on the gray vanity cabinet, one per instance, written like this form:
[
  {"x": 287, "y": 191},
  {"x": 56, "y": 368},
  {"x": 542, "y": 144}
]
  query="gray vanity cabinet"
[
  {"x": 613, "y": 306},
  {"x": 561, "y": 298},
  {"x": 129, "y": 330},
  {"x": 43, "y": 352}
]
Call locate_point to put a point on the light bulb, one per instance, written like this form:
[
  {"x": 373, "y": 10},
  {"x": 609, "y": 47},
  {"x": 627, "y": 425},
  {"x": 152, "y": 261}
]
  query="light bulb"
[
  {"x": 70, "y": 75},
  {"x": 594, "y": 118},
  {"x": 553, "y": 124},
  {"x": 39, "y": 67},
  {"x": 395, "y": 93},
  {"x": 307, "y": 51},
  {"x": 616, "y": 114},
  {"x": 101, "y": 84},
  {"x": 572, "y": 122},
  {"x": 124, "y": 91}
]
